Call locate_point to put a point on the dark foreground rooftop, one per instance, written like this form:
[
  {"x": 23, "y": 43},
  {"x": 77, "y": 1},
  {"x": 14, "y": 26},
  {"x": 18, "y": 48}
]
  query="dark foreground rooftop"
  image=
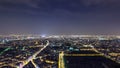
[{"x": 89, "y": 62}]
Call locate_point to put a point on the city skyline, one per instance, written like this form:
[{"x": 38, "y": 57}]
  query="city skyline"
[{"x": 60, "y": 17}]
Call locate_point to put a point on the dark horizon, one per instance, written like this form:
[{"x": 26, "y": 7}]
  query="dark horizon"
[{"x": 60, "y": 17}]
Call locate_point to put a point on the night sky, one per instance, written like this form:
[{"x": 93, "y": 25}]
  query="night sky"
[{"x": 60, "y": 17}]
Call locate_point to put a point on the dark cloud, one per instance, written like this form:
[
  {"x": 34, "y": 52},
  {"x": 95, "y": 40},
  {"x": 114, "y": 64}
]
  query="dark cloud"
[
  {"x": 76, "y": 4},
  {"x": 57, "y": 15},
  {"x": 57, "y": 7},
  {"x": 31, "y": 3},
  {"x": 102, "y": 2}
]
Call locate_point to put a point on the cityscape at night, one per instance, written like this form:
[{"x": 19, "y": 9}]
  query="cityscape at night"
[
  {"x": 59, "y": 34},
  {"x": 60, "y": 51}
]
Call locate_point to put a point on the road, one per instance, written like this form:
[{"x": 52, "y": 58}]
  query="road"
[
  {"x": 5, "y": 50},
  {"x": 61, "y": 60},
  {"x": 32, "y": 57}
]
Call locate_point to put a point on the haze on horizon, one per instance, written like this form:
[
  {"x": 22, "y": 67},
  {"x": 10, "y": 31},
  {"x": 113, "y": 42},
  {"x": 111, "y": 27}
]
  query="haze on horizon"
[{"x": 60, "y": 17}]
